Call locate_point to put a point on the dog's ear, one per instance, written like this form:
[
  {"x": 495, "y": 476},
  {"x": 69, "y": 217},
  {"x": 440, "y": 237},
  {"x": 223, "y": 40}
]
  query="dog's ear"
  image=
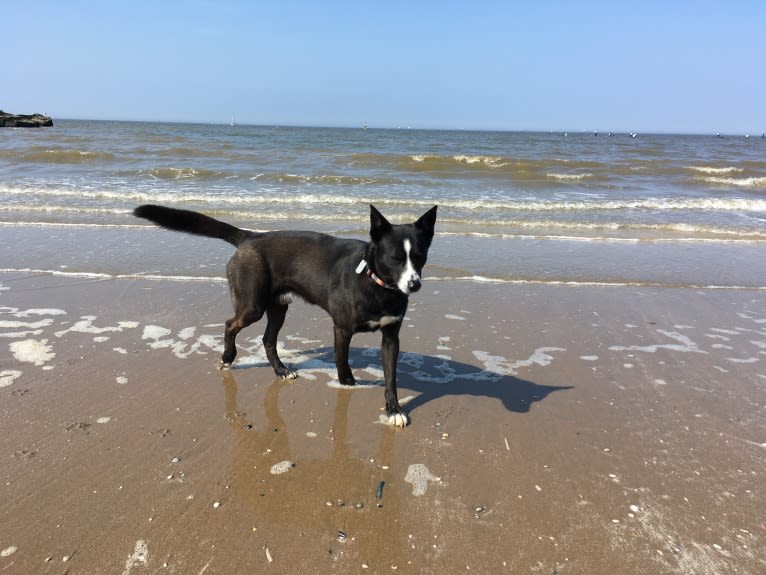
[
  {"x": 427, "y": 221},
  {"x": 379, "y": 225}
]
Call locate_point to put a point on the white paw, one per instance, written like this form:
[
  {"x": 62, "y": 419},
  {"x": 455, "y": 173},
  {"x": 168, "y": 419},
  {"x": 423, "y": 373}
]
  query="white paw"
[
  {"x": 397, "y": 420},
  {"x": 222, "y": 365},
  {"x": 291, "y": 375}
]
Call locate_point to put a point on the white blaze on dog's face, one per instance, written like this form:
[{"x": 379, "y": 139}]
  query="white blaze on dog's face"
[{"x": 409, "y": 280}]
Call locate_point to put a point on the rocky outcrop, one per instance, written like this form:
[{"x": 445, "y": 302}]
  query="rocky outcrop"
[{"x": 24, "y": 120}]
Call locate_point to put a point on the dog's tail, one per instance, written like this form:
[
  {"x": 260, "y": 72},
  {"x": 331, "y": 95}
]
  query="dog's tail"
[{"x": 191, "y": 223}]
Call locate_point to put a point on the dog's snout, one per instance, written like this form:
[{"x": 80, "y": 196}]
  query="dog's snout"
[{"x": 414, "y": 285}]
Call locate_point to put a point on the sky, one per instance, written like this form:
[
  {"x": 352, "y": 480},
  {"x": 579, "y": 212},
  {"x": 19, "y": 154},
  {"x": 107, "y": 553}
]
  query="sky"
[{"x": 645, "y": 66}]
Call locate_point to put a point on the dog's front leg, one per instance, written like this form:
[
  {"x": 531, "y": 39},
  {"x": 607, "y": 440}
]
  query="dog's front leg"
[
  {"x": 390, "y": 355},
  {"x": 342, "y": 343}
]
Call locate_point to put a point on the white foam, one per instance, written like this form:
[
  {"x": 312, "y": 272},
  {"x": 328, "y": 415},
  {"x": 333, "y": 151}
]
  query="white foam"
[
  {"x": 155, "y": 332},
  {"x": 500, "y": 365},
  {"x": 712, "y": 170},
  {"x": 453, "y": 316},
  {"x": 490, "y": 161},
  {"x": 6, "y": 324},
  {"x": 8, "y": 376},
  {"x": 684, "y": 344},
  {"x": 750, "y": 317},
  {"x": 85, "y": 325},
  {"x": 105, "y": 276},
  {"x": 28, "y": 328},
  {"x": 742, "y": 360},
  {"x": 589, "y": 357},
  {"x": 187, "y": 333},
  {"x": 36, "y": 311},
  {"x": 569, "y": 177},
  {"x": 419, "y": 476},
  {"x": 140, "y": 555},
  {"x": 752, "y": 182},
  {"x": 103, "y": 420},
  {"x": 483, "y": 279},
  {"x": 18, "y": 334},
  {"x": 33, "y": 351},
  {"x": 282, "y": 467},
  {"x": 183, "y": 347},
  {"x": 334, "y": 383}
]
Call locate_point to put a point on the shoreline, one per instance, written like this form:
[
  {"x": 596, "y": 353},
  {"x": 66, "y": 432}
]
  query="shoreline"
[
  {"x": 149, "y": 252},
  {"x": 95, "y": 276},
  {"x": 554, "y": 428}
]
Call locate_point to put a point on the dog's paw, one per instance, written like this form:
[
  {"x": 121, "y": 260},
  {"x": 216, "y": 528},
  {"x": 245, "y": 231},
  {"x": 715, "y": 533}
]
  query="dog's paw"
[
  {"x": 396, "y": 420},
  {"x": 283, "y": 372},
  {"x": 222, "y": 365}
]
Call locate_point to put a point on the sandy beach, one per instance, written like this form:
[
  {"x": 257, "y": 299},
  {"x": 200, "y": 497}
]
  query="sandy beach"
[{"x": 554, "y": 429}]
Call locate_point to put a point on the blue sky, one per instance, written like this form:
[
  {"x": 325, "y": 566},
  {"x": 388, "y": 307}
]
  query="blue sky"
[{"x": 671, "y": 66}]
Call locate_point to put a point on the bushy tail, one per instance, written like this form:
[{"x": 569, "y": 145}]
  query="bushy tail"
[{"x": 190, "y": 223}]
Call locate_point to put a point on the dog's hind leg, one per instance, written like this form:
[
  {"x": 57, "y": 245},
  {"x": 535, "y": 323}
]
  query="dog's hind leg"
[
  {"x": 342, "y": 343},
  {"x": 241, "y": 319},
  {"x": 276, "y": 313},
  {"x": 248, "y": 285}
]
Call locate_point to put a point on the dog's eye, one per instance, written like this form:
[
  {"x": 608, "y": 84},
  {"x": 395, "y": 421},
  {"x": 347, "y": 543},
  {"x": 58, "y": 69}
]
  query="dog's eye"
[{"x": 398, "y": 258}]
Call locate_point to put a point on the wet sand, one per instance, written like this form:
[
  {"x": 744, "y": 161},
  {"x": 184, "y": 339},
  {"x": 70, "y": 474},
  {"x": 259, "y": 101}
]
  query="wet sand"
[{"x": 554, "y": 429}]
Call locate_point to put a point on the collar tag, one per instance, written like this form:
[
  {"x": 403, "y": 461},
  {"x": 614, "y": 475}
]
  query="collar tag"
[{"x": 361, "y": 266}]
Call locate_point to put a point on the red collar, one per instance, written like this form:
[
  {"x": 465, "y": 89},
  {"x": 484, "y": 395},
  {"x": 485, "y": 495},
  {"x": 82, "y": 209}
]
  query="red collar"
[{"x": 370, "y": 274}]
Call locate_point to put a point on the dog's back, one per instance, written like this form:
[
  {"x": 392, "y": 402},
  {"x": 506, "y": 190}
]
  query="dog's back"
[{"x": 308, "y": 264}]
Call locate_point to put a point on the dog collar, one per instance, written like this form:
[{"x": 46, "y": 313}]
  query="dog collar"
[{"x": 370, "y": 274}]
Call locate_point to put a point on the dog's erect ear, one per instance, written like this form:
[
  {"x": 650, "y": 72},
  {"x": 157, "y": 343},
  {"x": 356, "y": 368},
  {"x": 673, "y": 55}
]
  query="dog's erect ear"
[
  {"x": 427, "y": 221},
  {"x": 379, "y": 225}
]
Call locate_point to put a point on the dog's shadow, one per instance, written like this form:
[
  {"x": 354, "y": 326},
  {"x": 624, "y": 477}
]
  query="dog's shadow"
[{"x": 432, "y": 377}]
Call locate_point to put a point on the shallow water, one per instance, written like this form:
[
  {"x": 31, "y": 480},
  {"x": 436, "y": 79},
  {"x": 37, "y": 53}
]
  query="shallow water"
[{"x": 675, "y": 210}]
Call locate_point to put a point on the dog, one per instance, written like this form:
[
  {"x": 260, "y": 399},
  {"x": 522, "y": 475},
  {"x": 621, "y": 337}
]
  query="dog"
[{"x": 364, "y": 286}]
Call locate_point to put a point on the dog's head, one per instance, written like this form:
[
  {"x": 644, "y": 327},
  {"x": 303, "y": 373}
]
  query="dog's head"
[{"x": 400, "y": 251}]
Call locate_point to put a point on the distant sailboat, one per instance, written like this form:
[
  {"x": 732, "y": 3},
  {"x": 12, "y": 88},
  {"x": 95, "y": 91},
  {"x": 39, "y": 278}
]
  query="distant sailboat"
[{"x": 233, "y": 120}]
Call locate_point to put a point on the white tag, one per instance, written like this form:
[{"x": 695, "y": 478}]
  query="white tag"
[{"x": 361, "y": 266}]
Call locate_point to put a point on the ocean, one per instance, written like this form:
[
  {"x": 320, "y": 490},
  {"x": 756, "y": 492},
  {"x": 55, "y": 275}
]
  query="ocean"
[{"x": 685, "y": 211}]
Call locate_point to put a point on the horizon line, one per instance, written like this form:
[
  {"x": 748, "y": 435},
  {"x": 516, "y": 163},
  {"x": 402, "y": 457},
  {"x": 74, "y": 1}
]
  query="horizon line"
[{"x": 363, "y": 126}]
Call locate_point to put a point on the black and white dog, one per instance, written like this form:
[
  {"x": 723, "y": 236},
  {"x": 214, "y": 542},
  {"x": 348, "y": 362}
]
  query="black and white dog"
[{"x": 363, "y": 286}]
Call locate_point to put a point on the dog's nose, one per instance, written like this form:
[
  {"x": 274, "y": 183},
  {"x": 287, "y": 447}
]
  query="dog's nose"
[{"x": 413, "y": 285}]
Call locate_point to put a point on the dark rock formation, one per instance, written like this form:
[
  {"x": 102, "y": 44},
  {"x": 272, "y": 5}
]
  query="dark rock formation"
[{"x": 24, "y": 120}]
